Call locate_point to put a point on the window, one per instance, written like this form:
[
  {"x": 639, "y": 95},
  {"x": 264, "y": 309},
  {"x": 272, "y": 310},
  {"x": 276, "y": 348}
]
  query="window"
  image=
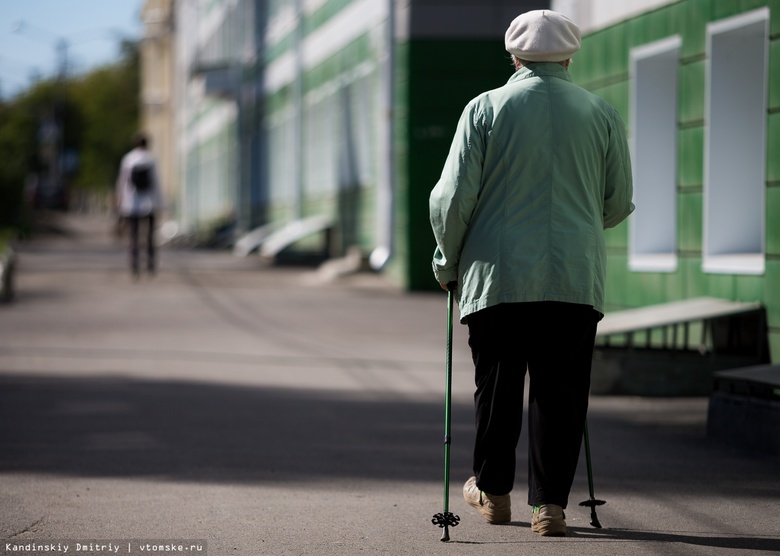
[
  {"x": 653, "y": 125},
  {"x": 735, "y": 144}
]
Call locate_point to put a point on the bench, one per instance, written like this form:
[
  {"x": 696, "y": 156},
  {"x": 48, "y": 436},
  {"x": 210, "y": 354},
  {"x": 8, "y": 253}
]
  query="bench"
[
  {"x": 279, "y": 241},
  {"x": 673, "y": 349},
  {"x": 251, "y": 241}
]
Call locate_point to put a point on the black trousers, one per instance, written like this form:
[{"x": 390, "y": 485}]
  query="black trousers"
[
  {"x": 554, "y": 342},
  {"x": 134, "y": 223}
]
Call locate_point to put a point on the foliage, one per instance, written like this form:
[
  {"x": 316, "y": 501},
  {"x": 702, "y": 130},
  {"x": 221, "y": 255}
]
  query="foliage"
[
  {"x": 108, "y": 104},
  {"x": 18, "y": 143},
  {"x": 99, "y": 114}
]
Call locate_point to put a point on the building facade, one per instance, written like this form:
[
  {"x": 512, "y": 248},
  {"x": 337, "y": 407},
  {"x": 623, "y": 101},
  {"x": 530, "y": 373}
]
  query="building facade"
[
  {"x": 344, "y": 109},
  {"x": 158, "y": 95},
  {"x": 698, "y": 85}
]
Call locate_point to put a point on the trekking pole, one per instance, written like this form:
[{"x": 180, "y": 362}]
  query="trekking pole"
[
  {"x": 445, "y": 519},
  {"x": 591, "y": 502}
]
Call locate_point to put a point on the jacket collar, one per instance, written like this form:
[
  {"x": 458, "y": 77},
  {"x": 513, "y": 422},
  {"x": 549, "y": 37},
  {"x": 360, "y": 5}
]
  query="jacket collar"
[{"x": 541, "y": 69}]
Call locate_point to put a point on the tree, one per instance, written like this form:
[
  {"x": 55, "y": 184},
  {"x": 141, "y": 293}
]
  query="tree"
[
  {"x": 108, "y": 103},
  {"x": 19, "y": 132},
  {"x": 98, "y": 114}
]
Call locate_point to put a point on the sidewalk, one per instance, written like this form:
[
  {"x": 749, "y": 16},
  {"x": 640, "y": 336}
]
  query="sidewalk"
[{"x": 263, "y": 411}]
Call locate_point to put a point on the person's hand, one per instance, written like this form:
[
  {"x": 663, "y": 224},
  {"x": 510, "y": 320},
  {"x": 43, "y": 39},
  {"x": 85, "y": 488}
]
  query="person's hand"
[{"x": 450, "y": 286}]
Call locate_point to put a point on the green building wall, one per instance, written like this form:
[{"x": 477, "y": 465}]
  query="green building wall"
[
  {"x": 340, "y": 103},
  {"x": 436, "y": 71},
  {"x": 443, "y": 76},
  {"x": 602, "y": 66}
]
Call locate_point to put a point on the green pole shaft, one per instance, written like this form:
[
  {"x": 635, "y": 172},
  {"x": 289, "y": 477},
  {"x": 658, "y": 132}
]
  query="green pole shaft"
[
  {"x": 587, "y": 460},
  {"x": 448, "y": 402}
]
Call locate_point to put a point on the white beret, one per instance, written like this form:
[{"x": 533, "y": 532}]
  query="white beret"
[{"x": 542, "y": 36}]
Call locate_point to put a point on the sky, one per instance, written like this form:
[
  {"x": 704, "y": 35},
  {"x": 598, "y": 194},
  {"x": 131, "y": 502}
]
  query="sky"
[{"x": 93, "y": 29}]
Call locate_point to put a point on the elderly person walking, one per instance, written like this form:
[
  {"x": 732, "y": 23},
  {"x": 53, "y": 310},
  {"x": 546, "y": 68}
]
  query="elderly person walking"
[{"x": 537, "y": 170}]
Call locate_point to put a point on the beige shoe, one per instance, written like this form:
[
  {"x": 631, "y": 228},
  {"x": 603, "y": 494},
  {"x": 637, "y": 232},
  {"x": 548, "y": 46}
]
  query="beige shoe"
[
  {"x": 496, "y": 509},
  {"x": 549, "y": 521}
]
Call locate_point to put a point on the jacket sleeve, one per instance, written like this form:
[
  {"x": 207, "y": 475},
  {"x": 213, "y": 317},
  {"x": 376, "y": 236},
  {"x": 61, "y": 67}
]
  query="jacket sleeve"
[
  {"x": 618, "y": 190},
  {"x": 454, "y": 197}
]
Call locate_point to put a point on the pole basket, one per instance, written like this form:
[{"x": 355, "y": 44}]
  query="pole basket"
[{"x": 445, "y": 520}]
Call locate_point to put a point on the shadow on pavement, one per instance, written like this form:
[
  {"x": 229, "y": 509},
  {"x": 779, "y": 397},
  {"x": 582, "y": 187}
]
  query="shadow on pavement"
[
  {"x": 210, "y": 432},
  {"x": 765, "y": 544},
  {"x": 714, "y": 540},
  {"x": 109, "y": 427}
]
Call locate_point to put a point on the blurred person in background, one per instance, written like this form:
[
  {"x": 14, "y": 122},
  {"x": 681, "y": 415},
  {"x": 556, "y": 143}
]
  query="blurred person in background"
[{"x": 139, "y": 198}]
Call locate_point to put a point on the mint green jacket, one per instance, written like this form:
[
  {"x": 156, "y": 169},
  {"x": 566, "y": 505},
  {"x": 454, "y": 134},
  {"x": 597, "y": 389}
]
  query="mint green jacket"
[{"x": 537, "y": 170}]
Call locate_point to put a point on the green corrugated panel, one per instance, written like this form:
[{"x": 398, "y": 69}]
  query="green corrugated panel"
[
  {"x": 278, "y": 100},
  {"x": 616, "y": 291},
  {"x": 773, "y": 148},
  {"x": 273, "y": 7},
  {"x": 275, "y": 50},
  {"x": 749, "y": 288},
  {"x": 367, "y": 224},
  {"x": 320, "y": 204},
  {"x": 774, "y": 24},
  {"x": 661, "y": 287},
  {"x": 715, "y": 285},
  {"x": 689, "y": 267},
  {"x": 639, "y": 31},
  {"x": 774, "y": 73},
  {"x": 774, "y": 8},
  {"x": 772, "y": 222},
  {"x": 581, "y": 66},
  {"x": 617, "y": 94},
  {"x": 772, "y": 297},
  {"x": 677, "y": 18},
  {"x": 691, "y": 97},
  {"x": 725, "y": 8},
  {"x": 398, "y": 267},
  {"x": 650, "y": 288},
  {"x": 353, "y": 54},
  {"x": 310, "y": 24},
  {"x": 617, "y": 48},
  {"x": 690, "y": 163},
  {"x": 617, "y": 237},
  {"x": 685, "y": 264},
  {"x": 325, "y": 71},
  {"x": 205, "y": 107},
  {"x": 324, "y": 14},
  {"x": 659, "y": 23},
  {"x": 279, "y": 212},
  {"x": 597, "y": 51},
  {"x": 689, "y": 222},
  {"x": 697, "y": 15},
  {"x": 697, "y": 283}
]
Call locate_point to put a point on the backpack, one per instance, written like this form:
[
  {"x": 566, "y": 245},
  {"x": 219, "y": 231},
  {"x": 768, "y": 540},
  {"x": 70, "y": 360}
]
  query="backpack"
[{"x": 141, "y": 177}]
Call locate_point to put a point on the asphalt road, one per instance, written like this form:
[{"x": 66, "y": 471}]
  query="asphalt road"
[{"x": 251, "y": 410}]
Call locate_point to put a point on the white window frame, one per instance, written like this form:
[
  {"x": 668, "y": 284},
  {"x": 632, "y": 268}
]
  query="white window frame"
[
  {"x": 734, "y": 218},
  {"x": 654, "y": 71}
]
